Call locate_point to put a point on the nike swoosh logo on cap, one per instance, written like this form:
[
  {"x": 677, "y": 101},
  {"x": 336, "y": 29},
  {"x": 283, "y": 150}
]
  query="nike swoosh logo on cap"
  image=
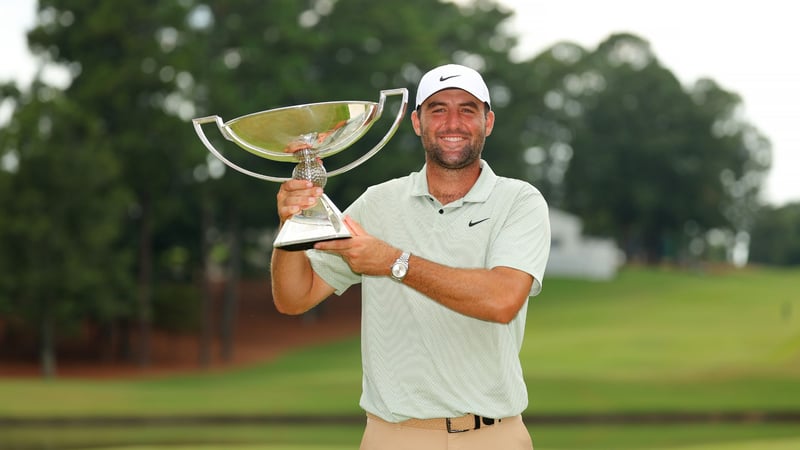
[{"x": 443, "y": 78}]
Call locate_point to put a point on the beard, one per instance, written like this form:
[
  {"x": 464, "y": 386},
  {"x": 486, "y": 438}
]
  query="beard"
[{"x": 469, "y": 153}]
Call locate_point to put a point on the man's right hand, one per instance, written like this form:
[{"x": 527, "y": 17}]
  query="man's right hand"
[
  {"x": 295, "y": 196},
  {"x": 296, "y": 288}
]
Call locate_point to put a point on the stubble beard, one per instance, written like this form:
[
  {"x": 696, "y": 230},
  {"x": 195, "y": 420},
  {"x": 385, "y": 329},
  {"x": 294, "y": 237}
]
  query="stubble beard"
[{"x": 470, "y": 153}]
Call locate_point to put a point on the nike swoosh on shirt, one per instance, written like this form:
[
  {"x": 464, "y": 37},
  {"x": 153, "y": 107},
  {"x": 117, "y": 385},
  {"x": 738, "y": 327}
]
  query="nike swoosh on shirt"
[
  {"x": 443, "y": 78},
  {"x": 473, "y": 223}
]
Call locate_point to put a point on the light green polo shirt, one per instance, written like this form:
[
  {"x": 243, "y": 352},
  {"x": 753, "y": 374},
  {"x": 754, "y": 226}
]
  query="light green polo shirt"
[{"x": 421, "y": 359}]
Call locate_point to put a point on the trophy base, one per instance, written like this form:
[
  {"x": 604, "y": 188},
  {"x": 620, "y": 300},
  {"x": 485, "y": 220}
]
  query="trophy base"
[
  {"x": 304, "y": 245},
  {"x": 322, "y": 222}
]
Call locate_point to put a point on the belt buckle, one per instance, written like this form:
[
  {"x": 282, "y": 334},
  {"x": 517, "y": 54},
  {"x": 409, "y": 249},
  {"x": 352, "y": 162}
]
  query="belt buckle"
[{"x": 450, "y": 428}]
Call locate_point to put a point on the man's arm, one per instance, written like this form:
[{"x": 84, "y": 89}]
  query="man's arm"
[
  {"x": 296, "y": 288},
  {"x": 494, "y": 295}
]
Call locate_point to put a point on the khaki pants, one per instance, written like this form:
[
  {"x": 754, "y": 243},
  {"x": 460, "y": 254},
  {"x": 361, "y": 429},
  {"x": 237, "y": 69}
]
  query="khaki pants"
[{"x": 510, "y": 434}]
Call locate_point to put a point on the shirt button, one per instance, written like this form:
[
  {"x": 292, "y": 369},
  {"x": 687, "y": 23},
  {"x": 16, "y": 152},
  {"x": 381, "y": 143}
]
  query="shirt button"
[{"x": 441, "y": 211}]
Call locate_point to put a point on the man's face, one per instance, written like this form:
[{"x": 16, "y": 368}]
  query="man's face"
[{"x": 453, "y": 126}]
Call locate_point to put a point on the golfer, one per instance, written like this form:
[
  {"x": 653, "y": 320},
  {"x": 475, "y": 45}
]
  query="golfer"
[{"x": 447, "y": 258}]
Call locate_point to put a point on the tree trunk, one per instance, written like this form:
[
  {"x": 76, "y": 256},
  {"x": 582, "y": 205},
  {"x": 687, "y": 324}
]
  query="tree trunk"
[
  {"x": 47, "y": 352},
  {"x": 204, "y": 358},
  {"x": 124, "y": 349},
  {"x": 145, "y": 282},
  {"x": 230, "y": 298}
]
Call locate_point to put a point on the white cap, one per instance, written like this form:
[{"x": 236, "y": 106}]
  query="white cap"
[{"x": 452, "y": 76}]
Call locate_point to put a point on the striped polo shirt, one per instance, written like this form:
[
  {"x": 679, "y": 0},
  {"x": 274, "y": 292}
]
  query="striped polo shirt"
[{"x": 421, "y": 359}]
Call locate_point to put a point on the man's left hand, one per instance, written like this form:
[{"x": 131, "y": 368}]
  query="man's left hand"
[{"x": 364, "y": 253}]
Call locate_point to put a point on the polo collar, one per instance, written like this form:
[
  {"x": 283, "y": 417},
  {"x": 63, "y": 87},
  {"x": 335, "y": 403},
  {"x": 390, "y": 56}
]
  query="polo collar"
[{"x": 479, "y": 192}]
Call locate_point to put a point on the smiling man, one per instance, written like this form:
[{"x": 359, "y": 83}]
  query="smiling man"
[{"x": 447, "y": 258}]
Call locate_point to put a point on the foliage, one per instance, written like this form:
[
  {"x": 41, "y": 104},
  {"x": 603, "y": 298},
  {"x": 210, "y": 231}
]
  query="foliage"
[
  {"x": 608, "y": 134},
  {"x": 175, "y": 308},
  {"x": 639, "y": 157},
  {"x": 120, "y": 57},
  {"x": 62, "y": 203},
  {"x": 775, "y": 238}
]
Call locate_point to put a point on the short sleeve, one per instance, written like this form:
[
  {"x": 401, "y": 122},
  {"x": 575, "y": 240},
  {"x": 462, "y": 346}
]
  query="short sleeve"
[{"x": 524, "y": 241}]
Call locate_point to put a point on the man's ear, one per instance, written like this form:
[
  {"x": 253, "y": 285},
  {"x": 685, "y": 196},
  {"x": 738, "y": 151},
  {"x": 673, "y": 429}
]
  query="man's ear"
[
  {"x": 415, "y": 123},
  {"x": 489, "y": 122}
]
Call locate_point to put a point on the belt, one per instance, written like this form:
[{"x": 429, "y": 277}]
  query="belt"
[{"x": 461, "y": 424}]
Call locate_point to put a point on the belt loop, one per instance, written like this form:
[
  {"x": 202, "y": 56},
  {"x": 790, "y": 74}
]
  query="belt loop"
[{"x": 477, "y": 422}]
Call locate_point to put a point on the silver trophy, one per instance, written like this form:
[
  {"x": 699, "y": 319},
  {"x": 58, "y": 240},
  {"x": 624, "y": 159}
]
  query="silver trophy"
[{"x": 305, "y": 134}]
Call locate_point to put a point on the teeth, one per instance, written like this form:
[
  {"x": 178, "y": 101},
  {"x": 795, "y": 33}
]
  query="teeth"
[{"x": 451, "y": 139}]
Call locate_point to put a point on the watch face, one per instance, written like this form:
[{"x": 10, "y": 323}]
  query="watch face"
[{"x": 398, "y": 270}]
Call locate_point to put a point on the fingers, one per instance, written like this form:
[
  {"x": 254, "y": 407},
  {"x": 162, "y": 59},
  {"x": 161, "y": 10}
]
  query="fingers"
[
  {"x": 295, "y": 196},
  {"x": 355, "y": 228},
  {"x": 335, "y": 245},
  {"x": 363, "y": 253},
  {"x": 296, "y": 146}
]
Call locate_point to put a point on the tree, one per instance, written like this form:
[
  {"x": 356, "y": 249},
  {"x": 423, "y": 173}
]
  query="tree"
[
  {"x": 61, "y": 204},
  {"x": 775, "y": 237},
  {"x": 233, "y": 63},
  {"x": 609, "y": 134},
  {"x": 119, "y": 56},
  {"x": 648, "y": 159},
  {"x": 141, "y": 70},
  {"x": 544, "y": 118}
]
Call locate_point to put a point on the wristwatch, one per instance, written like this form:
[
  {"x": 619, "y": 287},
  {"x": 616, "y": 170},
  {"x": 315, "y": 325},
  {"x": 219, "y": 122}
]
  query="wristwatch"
[{"x": 400, "y": 267}]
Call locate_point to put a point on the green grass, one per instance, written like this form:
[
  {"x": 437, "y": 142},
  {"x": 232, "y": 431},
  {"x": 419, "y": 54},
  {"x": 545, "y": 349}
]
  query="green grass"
[
  {"x": 662, "y": 325},
  {"x": 660, "y": 340},
  {"x": 649, "y": 341},
  {"x": 318, "y": 380}
]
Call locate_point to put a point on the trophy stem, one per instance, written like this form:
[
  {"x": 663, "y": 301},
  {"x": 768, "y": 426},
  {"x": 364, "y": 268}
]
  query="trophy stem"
[
  {"x": 321, "y": 222},
  {"x": 310, "y": 168}
]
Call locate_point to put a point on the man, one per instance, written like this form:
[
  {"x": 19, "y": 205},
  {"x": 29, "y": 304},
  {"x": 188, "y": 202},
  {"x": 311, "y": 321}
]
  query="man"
[{"x": 447, "y": 258}]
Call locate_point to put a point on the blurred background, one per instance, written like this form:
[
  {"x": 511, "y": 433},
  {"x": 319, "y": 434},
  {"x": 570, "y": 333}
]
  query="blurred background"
[{"x": 663, "y": 134}]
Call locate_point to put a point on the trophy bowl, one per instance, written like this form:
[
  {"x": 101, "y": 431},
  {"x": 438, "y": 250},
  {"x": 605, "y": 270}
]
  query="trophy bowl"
[
  {"x": 274, "y": 134},
  {"x": 305, "y": 134}
]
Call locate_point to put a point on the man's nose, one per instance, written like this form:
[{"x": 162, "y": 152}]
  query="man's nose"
[{"x": 452, "y": 118}]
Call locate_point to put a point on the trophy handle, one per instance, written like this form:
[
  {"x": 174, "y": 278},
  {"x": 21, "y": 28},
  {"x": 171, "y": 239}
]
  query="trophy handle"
[
  {"x": 200, "y": 121},
  {"x": 198, "y": 127},
  {"x": 400, "y": 113}
]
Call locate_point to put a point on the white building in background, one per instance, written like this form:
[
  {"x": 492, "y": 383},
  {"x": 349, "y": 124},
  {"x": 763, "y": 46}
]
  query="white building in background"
[{"x": 575, "y": 256}]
